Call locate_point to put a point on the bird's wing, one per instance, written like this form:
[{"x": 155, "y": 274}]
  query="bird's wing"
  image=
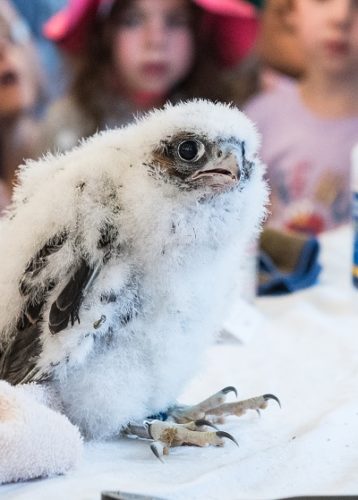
[
  {"x": 68, "y": 302},
  {"x": 19, "y": 358}
]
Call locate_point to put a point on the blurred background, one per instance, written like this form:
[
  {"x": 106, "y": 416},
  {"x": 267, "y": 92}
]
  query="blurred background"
[{"x": 70, "y": 68}]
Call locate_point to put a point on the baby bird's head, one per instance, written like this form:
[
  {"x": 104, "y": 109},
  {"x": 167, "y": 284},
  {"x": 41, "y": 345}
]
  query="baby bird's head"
[
  {"x": 193, "y": 161},
  {"x": 201, "y": 146}
]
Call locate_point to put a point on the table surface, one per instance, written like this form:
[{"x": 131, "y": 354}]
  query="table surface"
[{"x": 303, "y": 348}]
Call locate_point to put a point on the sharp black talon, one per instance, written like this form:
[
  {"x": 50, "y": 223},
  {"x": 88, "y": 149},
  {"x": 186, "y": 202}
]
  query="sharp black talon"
[
  {"x": 156, "y": 452},
  {"x": 271, "y": 396},
  {"x": 230, "y": 388},
  {"x": 224, "y": 434},
  {"x": 202, "y": 422}
]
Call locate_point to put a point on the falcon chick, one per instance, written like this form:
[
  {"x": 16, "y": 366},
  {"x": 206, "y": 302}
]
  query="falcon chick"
[{"x": 115, "y": 263}]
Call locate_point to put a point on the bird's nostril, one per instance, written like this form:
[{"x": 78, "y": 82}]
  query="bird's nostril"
[{"x": 220, "y": 153}]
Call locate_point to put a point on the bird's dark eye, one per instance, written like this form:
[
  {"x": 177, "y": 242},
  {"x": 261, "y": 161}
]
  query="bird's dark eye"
[{"x": 190, "y": 150}]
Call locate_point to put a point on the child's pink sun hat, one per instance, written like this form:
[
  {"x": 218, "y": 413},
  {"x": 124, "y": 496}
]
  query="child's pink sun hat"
[{"x": 232, "y": 26}]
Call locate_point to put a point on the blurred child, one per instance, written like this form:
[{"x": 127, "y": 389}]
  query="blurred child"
[
  {"x": 136, "y": 54},
  {"x": 20, "y": 90},
  {"x": 36, "y": 13},
  {"x": 308, "y": 129},
  {"x": 277, "y": 43},
  {"x": 277, "y": 56}
]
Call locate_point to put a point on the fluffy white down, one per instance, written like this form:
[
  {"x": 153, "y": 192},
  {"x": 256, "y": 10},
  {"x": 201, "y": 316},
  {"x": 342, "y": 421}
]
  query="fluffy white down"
[{"x": 183, "y": 274}]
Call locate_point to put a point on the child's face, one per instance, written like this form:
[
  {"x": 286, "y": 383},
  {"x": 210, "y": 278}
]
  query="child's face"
[
  {"x": 18, "y": 90},
  {"x": 153, "y": 46},
  {"x": 277, "y": 44},
  {"x": 328, "y": 32}
]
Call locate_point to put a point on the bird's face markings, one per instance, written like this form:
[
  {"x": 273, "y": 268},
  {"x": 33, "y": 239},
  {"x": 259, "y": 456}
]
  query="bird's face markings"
[{"x": 196, "y": 162}]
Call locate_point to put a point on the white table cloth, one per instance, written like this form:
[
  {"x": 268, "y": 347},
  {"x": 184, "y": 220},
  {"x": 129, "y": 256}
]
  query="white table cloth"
[{"x": 304, "y": 349}]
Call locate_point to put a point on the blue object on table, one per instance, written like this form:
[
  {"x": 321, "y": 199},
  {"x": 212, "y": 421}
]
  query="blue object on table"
[{"x": 302, "y": 271}]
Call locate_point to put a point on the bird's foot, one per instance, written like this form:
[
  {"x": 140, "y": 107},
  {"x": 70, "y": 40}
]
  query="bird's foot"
[
  {"x": 215, "y": 409},
  {"x": 168, "y": 435},
  {"x": 188, "y": 425}
]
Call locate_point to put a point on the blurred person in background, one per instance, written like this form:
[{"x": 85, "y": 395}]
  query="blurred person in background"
[
  {"x": 278, "y": 44},
  {"x": 36, "y": 13},
  {"x": 21, "y": 88},
  {"x": 131, "y": 55},
  {"x": 309, "y": 127},
  {"x": 277, "y": 57}
]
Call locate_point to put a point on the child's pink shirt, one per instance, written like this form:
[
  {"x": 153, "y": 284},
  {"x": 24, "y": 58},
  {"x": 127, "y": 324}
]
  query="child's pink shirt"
[{"x": 308, "y": 160}]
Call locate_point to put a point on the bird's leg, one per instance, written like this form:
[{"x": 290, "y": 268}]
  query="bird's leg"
[
  {"x": 188, "y": 425},
  {"x": 166, "y": 435},
  {"x": 215, "y": 409}
]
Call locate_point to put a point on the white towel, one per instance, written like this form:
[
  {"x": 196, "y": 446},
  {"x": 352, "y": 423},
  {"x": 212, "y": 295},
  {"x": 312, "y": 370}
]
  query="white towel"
[{"x": 35, "y": 441}]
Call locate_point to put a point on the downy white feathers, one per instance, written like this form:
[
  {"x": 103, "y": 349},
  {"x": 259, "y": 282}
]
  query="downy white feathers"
[{"x": 151, "y": 255}]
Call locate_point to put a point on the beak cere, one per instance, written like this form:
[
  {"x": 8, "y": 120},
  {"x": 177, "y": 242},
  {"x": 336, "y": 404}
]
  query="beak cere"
[{"x": 220, "y": 174}]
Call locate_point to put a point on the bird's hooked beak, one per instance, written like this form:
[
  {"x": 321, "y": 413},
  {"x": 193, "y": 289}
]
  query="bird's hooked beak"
[{"x": 221, "y": 173}]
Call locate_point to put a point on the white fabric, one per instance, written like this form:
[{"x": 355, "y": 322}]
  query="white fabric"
[
  {"x": 35, "y": 441},
  {"x": 304, "y": 349}
]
